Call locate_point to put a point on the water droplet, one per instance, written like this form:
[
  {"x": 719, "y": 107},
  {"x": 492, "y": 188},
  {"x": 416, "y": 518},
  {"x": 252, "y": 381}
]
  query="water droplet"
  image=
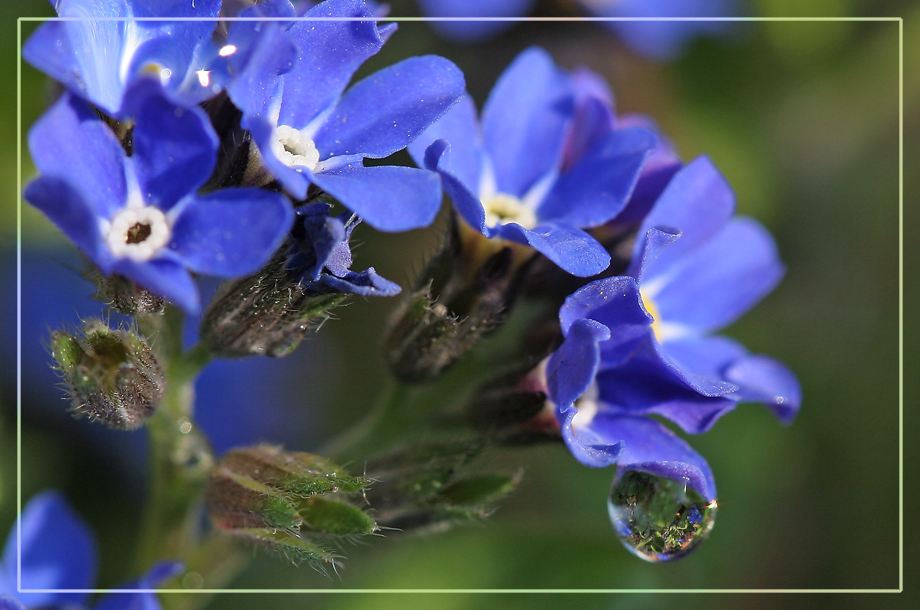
[{"x": 657, "y": 518}]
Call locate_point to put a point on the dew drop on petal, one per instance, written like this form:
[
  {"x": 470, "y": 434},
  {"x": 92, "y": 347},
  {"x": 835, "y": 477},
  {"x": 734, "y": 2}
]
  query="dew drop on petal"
[{"x": 658, "y": 518}]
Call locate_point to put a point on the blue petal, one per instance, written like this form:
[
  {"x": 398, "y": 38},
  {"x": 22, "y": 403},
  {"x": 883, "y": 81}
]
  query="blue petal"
[
  {"x": 330, "y": 53},
  {"x": 767, "y": 381},
  {"x": 384, "y": 112},
  {"x": 614, "y": 302},
  {"x": 460, "y": 129},
  {"x": 594, "y": 117},
  {"x": 599, "y": 185},
  {"x": 366, "y": 283},
  {"x": 231, "y": 232},
  {"x": 438, "y": 157},
  {"x": 657, "y": 240},
  {"x": 265, "y": 52},
  {"x": 658, "y": 39},
  {"x": 70, "y": 143},
  {"x": 323, "y": 235},
  {"x": 388, "y": 198},
  {"x": 58, "y": 552},
  {"x": 572, "y": 249},
  {"x": 644, "y": 385},
  {"x": 473, "y": 31},
  {"x": 165, "y": 277},
  {"x": 572, "y": 367},
  {"x": 160, "y": 572},
  {"x": 698, "y": 201},
  {"x": 72, "y": 214},
  {"x": 9, "y": 603},
  {"x": 175, "y": 148},
  {"x": 660, "y": 166},
  {"x": 705, "y": 356},
  {"x": 650, "y": 447},
  {"x": 524, "y": 121},
  {"x": 723, "y": 278}
]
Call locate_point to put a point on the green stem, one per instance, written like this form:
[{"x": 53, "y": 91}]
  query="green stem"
[
  {"x": 388, "y": 420},
  {"x": 180, "y": 456}
]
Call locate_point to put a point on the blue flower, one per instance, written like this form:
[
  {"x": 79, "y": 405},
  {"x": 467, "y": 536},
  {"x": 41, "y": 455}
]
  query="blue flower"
[
  {"x": 99, "y": 60},
  {"x": 58, "y": 552},
  {"x": 662, "y": 39},
  {"x": 659, "y": 40},
  {"x": 140, "y": 216},
  {"x": 641, "y": 344},
  {"x": 511, "y": 177},
  {"x": 308, "y": 132},
  {"x": 321, "y": 249}
]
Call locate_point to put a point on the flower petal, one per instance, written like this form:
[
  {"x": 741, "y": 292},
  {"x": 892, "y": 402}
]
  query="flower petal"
[
  {"x": 388, "y": 198},
  {"x": 572, "y": 249},
  {"x": 698, "y": 201},
  {"x": 231, "y": 232},
  {"x": 70, "y": 143},
  {"x": 460, "y": 129},
  {"x": 767, "y": 381},
  {"x": 439, "y": 157},
  {"x": 294, "y": 181},
  {"x": 164, "y": 276},
  {"x": 366, "y": 283},
  {"x": 58, "y": 552},
  {"x": 72, "y": 214},
  {"x": 598, "y": 186},
  {"x": 160, "y": 572},
  {"x": 473, "y": 31},
  {"x": 720, "y": 280},
  {"x": 643, "y": 385},
  {"x": 524, "y": 121},
  {"x": 615, "y": 303},
  {"x": 650, "y": 447},
  {"x": 9, "y": 603},
  {"x": 384, "y": 112},
  {"x": 175, "y": 148},
  {"x": 330, "y": 53}
]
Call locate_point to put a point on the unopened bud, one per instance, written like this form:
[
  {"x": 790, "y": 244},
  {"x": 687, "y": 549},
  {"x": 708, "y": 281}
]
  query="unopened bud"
[
  {"x": 267, "y": 313},
  {"x": 462, "y": 298},
  {"x": 111, "y": 375},
  {"x": 124, "y": 296},
  {"x": 292, "y": 502}
]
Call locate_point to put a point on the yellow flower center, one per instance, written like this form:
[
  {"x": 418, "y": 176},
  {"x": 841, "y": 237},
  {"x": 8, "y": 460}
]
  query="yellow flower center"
[
  {"x": 502, "y": 208},
  {"x": 652, "y": 309}
]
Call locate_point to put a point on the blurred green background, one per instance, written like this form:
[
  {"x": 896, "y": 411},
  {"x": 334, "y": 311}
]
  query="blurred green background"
[{"x": 803, "y": 119}]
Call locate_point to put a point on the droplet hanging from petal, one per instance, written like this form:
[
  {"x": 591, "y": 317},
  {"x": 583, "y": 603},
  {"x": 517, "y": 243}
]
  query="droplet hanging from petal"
[{"x": 658, "y": 518}]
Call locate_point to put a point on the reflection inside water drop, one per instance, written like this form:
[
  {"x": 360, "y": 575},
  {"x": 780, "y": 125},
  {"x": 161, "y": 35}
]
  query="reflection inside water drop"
[{"x": 657, "y": 518}]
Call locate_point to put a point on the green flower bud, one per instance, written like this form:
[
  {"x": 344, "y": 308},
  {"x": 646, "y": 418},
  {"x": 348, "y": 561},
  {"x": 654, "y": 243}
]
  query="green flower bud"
[
  {"x": 111, "y": 375},
  {"x": 295, "y": 503}
]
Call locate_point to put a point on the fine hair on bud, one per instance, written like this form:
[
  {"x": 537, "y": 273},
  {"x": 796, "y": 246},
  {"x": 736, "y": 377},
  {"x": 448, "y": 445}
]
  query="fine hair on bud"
[{"x": 111, "y": 375}]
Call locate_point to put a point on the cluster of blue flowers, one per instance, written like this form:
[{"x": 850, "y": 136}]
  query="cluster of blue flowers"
[{"x": 190, "y": 144}]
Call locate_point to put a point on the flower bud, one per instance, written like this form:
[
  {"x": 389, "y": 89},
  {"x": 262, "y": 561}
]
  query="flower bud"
[
  {"x": 292, "y": 502},
  {"x": 111, "y": 375},
  {"x": 463, "y": 295},
  {"x": 268, "y": 313},
  {"x": 126, "y": 297}
]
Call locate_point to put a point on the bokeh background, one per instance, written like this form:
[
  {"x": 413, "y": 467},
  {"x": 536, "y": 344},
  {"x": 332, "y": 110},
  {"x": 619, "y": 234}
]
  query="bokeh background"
[{"x": 802, "y": 118}]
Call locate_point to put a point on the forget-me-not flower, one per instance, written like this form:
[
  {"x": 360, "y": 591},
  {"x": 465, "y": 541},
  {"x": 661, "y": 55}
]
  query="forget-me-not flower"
[
  {"x": 59, "y": 553},
  {"x": 309, "y": 132},
  {"x": 140, "y": 216},
  {"x": 641, "y": 344},
  {"x": 514, "y": 175},
  {"x": 102, "y": 49}
]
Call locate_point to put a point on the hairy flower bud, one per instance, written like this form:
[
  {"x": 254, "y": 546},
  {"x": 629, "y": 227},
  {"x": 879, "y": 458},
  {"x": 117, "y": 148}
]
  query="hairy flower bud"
[
  {"x": 267, "y": 313},
  {"x": 464, "y": 294},
  {"x": 124, "y": 296},
  {"x": 296, "y": 503},
  {"x": 111, "y": 375}
]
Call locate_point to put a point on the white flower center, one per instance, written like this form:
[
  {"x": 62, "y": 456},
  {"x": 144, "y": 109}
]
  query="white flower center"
[
  {"x": 138, "y": 233},
  {"x": 293, "y": 148},
  {"x": 587, "y": 408},
  {"x": 502, "y": 208}
]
